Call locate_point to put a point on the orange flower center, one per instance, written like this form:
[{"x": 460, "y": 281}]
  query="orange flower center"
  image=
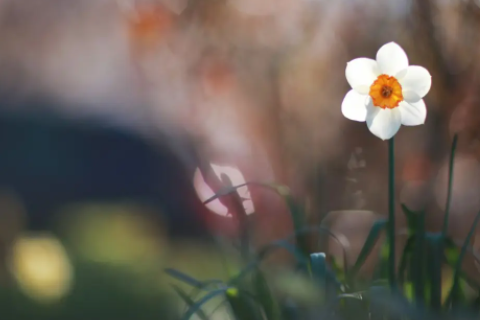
[{"x": 386, "y": 92}]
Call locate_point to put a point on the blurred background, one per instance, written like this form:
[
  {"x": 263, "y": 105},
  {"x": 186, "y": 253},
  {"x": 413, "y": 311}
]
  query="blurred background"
[{"x": 119, "y": 118}]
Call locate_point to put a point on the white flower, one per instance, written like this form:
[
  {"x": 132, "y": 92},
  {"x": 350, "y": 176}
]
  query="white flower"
[{"x": 386, "y": 93}]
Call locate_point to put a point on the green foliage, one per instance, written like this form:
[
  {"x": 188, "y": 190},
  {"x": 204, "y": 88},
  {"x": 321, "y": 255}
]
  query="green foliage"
[{"x": 420, "y": 286}]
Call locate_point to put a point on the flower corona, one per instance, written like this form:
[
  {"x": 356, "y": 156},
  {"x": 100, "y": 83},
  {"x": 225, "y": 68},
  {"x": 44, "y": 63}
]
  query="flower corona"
[{"x": 386, "y": 92}]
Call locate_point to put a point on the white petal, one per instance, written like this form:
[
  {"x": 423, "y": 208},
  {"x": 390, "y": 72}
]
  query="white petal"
[
  {"x": 391, "y": 59},
  {"x": 384, "y": 123},
  {"x": 411, "y": 96},
  {"x": 413, "y": 114},
  {"x": 418, "y": 80},
  {"x": 354, "y": 106},
  {"x": 361, "y": 73}
]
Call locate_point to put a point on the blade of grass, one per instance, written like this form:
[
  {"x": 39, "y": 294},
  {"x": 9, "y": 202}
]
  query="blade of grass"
[
  {"x": 416, "y": 230},
  {"x": 199, "y": 304},
  {"x": 370, "y": 242},
  {"x": 189, "y": 302},
  {"x": 450, "y": 182},
  {"x": 452, "y": 297},
  {"x": 435, "y": 253},
  {"x": 243, "y": 306},
  {"x": 285, "y": 244},
  {"x": 264, "y": 253},
  {"x": 418, "y": 262},
  {"x": 406, "y": 256},
  {"x": 191, "y": 281},
  {"x": 296, "y": 211},
  {"x": 452, "y": 253},
  {"x": 265, "y": 297},
  {"x": 241, "y": 218},
  {"x": 380, "y": 271}
]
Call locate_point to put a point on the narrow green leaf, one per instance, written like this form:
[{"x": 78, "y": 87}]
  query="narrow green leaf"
[
  {"x": 435, "y": 253},
  {"x": 450, "y": 183},
  {"x": 296, "y": 211},
  {"x": 452, "y": 254},
  {"x": 243, "y": 306},
  {"x": 189, "y": 280},
  {"x": 264, "y": 253},
  {"x": 199, "y": 304},
  {"x": 418, "y": 261},
  {"x": 370, "y": 242},
  {"x": 183, "y": 277},
  {"x": 285, "y": 244},
  {"x": 265, "y": 297},
  {"x": 189, "y": 302},
  {"x": 412, "y": 219},
  {"x": 454, "y": 294},
  {"x": 406, "y": 256},
  {"x": 241, "y": 218},
  {"x": 381, "y": 269},
  {"x": 228, "y": 190}
]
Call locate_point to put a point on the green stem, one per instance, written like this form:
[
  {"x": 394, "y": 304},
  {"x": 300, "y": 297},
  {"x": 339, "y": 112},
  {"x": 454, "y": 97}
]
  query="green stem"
[
  {"x": 450, "y": 183},
  {"x": 391, "y": 213}
]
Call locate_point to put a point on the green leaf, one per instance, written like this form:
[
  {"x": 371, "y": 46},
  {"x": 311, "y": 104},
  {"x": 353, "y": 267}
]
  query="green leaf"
[
  {"x": 450, "y": 183},
  {"x": 285, "y": 244},
  {"x": 406, "y": 256},
  {"x": 265, "y": 297},
  {"x": 454, "y": 292},
  {"x": 186, "y": 298},
  {"x": 435, "y": 258},
  {"x": 418, "y": 262},
  {"x": 370, "y": 242},
  {"x": 381, "y": 271},
  {"x": 297, "y": 212},
  {"x": 243, "y": 306},
  {"x": 199, "y": 304},
  {"x": 452, "y": 254},
  {"x": 191, "y": 281},
  {"x": 264, "y": 253},
  {"x": 412, "y": 219}
]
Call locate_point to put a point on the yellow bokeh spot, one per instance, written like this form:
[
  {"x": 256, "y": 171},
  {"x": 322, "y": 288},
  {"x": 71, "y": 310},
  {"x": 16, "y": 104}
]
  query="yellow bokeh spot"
[{"x": 41, "y": 267}]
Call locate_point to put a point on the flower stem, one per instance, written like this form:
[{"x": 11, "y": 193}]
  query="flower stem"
[{"x": 391, "y": 214}]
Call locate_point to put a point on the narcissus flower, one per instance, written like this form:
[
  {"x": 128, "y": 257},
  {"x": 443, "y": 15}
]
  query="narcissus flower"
[{"x": 386, "y": 93}]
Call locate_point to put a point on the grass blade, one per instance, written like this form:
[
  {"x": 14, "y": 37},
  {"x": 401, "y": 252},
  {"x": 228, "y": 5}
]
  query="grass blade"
[
  {"x": 453, "y": 296},
  {"x": 186, "y": 298},
  {"x": 435, "y": 253},
  {"x": 370, "y": 242},
  {"x": 296, "y": 211},
  {"x": 418, "y": 262},
  {"x": 450, "y": 182},
  {"x": 199, "y": 304},
  {"x": 265, "y": 297},
  {"x": 243, "y": 306},
  {"x": 186, "y": 278},
  {"x": 406, "y": 257}
]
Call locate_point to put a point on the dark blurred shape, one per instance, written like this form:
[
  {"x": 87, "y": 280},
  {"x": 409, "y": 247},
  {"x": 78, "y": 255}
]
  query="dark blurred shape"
[{"x": 50, "y": 162}]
